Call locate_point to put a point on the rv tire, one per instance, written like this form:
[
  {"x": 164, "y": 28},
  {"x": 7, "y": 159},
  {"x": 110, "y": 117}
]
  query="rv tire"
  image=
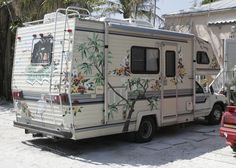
[
  {"x": 215, "y": 116},
  {"x": 146, "y": 130}
]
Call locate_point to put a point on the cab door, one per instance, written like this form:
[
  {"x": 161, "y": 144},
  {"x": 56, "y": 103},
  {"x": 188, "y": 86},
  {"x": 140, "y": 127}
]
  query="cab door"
[{"x": 202, "y": 101}]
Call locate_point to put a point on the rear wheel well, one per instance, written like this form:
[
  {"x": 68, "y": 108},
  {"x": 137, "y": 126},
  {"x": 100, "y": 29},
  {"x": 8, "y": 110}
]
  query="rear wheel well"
[{"x": 153, "y": 117}]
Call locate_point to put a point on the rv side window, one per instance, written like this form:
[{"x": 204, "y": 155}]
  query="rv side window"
[
  {"x": 145, "y": 60},
  {"x": 170, "y": 64},
  {"x": 202, "y": 57},
  {"x": 42, "y": 51}
]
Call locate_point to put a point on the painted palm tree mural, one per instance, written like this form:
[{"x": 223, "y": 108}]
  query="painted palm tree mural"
[{"x": 93, "y": 60}]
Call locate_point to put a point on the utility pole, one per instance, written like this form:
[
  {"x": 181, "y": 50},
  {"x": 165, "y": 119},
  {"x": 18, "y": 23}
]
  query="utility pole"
[{"x": 154, "y": 18}]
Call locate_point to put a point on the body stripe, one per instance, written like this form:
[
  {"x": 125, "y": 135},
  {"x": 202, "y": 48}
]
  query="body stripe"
[{"x": 102, "y": 126}]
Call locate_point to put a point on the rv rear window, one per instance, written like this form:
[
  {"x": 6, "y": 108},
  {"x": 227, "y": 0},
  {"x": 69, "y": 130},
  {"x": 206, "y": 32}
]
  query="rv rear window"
[
  {"x": 145, "y": 60},
  {"x": 202, "y": 57},
  {"x": 170, "y": 64},
  {"x": 42, "y": 51}
]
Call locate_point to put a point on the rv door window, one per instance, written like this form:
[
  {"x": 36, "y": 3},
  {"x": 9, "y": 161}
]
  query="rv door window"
[
  {"x": 42, "y": 51},
  {"x": 170, "y": 64},
  {"x": 145, "y": 60},
  {"x": 202, "y": 57}
]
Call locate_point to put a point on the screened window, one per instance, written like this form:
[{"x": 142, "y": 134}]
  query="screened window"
[
  {"x": 202, "y": 57},
  {"x": 145, "y": 60},
  {"x": 42, "y": 50},
  {"x": 170, "y": 64}
]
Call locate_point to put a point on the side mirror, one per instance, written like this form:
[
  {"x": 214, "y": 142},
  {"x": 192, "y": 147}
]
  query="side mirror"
[{"x": 211, "y": 90}]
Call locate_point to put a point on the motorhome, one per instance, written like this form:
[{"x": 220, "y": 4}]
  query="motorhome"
[{"x": 77, "y": 77}]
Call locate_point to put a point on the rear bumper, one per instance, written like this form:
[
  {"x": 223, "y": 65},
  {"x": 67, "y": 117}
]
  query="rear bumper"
[
  {"x": 43, "y": 130},
  {"x": 229, "y": 134}
]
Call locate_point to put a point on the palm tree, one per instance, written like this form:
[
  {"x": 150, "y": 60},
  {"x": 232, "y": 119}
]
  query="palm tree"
[
  {"x": 207, "y": 1},
  {"x": 133, "y": 9},
  {"x": 39, "y": 7}
]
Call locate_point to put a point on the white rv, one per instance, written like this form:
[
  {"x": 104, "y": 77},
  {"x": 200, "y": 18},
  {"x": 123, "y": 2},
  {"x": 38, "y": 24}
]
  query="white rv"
[{"x": 76, "y": 77}]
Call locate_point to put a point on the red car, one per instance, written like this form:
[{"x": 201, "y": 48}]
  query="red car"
[{"x": 228, "y": 126}]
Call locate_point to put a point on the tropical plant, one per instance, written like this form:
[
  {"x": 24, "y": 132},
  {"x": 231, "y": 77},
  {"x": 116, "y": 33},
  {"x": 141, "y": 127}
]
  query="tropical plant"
[
  {"x": 93, "y": 57},
  {"x": 39, "y": 7},
  {"x": 133, "y": 8}
]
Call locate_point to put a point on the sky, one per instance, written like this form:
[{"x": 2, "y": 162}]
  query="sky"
[{"x": 169, "y": 6}]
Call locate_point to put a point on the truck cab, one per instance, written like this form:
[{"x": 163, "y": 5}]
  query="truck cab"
[{"x": 210, "y": 103}]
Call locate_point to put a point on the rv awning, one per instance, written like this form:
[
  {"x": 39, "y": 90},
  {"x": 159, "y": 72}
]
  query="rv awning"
[{"x": 223, "y": 19}]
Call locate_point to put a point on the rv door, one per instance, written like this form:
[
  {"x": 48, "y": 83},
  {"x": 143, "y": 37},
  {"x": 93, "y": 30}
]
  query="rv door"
[{"x": 169, "y": 65}]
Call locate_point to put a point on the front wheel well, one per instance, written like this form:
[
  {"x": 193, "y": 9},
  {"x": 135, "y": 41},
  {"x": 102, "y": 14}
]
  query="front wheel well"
[
  {"x": 216, "y": 114},
  {"x": 221, "y": 104}
]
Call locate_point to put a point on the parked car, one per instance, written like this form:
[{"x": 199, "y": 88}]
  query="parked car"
[{"x": 228, "y": 126}]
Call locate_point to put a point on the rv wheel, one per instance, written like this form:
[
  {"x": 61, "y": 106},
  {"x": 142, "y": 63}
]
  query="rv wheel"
[
  {"x": 215, "y": 115},
  {"x": 146, "y": 130}
]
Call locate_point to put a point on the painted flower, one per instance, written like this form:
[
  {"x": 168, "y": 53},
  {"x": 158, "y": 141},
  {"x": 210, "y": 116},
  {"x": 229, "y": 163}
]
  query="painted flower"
[
  {"x": 156, "y": 86},
  {"x": 181, "y": 71}
]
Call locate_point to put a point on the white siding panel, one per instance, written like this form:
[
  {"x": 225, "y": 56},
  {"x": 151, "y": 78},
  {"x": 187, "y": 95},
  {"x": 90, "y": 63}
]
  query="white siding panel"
[{"x": 36, "y": 79}]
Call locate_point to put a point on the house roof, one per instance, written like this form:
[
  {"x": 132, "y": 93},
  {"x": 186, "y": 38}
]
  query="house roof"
[{"x": 214, "y": 6}]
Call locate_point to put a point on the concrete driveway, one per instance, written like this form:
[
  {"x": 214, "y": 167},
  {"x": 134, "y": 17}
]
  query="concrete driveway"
[{"x": 196, "y": 145}]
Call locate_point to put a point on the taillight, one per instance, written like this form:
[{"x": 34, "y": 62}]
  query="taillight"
[
  {"x": 18, "y": 95},
  {"x": 62, "y": 97},
  {"x": 69, "y": 30},
  {"x": 231, "y": 109},
  {"x": 229, "y": 116}
]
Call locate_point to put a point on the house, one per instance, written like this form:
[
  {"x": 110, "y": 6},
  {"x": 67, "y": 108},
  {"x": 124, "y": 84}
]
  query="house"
[{"x": 214, "y": 22}]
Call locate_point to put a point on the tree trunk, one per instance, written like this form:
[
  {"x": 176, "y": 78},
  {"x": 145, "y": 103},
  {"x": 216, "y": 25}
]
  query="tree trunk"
[
  {"x": 127, "y": 122},
  {"x": 6, "y": 54}
]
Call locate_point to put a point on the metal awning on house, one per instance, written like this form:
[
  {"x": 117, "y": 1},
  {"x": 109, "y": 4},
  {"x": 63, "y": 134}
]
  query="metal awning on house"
[{"x": 223, "y": 19}]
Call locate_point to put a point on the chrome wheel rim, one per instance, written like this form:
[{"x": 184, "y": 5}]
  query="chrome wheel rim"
[{"x": 217, "y": 114}]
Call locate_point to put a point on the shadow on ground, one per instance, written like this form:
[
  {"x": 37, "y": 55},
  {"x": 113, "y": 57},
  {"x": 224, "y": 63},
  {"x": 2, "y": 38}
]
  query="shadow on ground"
[
  {"x": 170, "y": 144},
  {"x": 5, "y": 106}
]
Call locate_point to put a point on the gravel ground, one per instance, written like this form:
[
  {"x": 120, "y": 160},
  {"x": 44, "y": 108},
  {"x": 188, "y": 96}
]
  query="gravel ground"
[{"x": 197, "y": 145}]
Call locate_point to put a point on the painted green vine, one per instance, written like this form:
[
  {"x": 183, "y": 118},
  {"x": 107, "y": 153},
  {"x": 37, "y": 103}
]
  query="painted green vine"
[{"x": 92, "y": 53}]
